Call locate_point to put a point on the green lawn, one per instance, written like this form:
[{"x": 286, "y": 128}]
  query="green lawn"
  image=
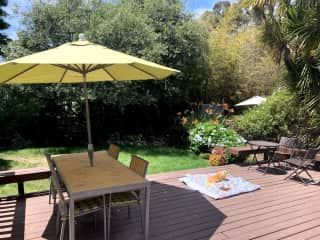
[{"x": 161, "y": 159}]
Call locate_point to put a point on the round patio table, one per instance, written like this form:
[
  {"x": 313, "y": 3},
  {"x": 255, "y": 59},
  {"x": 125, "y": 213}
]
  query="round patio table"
[{"x": 269, "y": 146}]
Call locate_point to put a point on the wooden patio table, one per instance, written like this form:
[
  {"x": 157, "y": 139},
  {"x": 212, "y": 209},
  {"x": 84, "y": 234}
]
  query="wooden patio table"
[
  {"x": 105, "y": 177},
  {"x": 263, "y": 144}
]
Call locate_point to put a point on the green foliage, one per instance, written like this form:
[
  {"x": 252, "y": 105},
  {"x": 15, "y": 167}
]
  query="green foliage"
[
  {"x": 155, "y": 30},
  {"x": 292, "y": 31},
  {"x": 3, "y": 25},
  {"x": 207, "y": 135},
  {"x": 241, "y": 65},
  {"x": 269, "y": 120},
  {"x": 281, "y": 115}
]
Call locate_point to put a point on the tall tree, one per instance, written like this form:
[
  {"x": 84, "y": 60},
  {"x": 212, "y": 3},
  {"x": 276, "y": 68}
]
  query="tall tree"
[
  {"x": 241, "y": 65},
  {"x": 220, "y": 7},
  {"x": 156, "y": 30},
  {"x": 292, "y": 29},
  {"x": 3, "y": 25}
]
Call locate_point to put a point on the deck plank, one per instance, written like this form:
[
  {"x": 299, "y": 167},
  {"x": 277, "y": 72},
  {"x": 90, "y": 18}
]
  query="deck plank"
[{"x": 282, "y": 209}]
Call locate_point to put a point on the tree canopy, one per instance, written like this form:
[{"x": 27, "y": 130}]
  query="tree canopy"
[
  {"x": 291, "y": 28},
  {"x": 241, "y": 64},
  {"x": 3, "y": 25},
  {"x": 159, "y": 31}
]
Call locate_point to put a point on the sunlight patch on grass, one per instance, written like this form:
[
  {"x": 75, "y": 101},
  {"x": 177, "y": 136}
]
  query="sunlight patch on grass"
[{"x": 161, "y": 159}]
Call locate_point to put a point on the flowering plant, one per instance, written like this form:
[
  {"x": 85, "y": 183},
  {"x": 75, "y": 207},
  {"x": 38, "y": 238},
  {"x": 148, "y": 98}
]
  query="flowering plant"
[
  {"x": 204, "y": 136},
  {"x": 217, "y": 157}
]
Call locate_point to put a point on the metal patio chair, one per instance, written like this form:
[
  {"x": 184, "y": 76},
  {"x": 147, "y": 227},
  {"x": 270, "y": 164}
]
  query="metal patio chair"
[
  {"x": 83, "y": 207},
  {"x": 52, "y": 189},
  {"x": 139, "y": 166},
  {"x": 285, "y": 149},
  {"x": 301, "y": 163}
]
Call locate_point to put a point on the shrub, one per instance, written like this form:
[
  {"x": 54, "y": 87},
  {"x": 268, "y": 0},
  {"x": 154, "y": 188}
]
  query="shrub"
[
  {"x": 204, "y": 136},
  {"x": 280, "y": 115}
]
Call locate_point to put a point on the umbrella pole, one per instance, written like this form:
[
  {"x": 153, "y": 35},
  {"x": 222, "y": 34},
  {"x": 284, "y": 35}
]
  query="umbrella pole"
[{"x": 90, "y": 145}]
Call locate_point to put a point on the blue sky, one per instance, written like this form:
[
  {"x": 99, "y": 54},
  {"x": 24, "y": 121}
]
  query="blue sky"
[{"x": 195, "y": 6}]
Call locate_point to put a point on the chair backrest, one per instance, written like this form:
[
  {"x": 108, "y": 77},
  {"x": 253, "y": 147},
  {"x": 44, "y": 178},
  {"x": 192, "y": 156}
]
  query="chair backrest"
[
  {"x": 288, "y": 142},
  {"x": 114, "y": 151},
  {"x": 50, "y": 162},
  {"x": 57, "y": 185},
  {"x": 139, "y": 165},
  {"x": 311, "y": 153}
]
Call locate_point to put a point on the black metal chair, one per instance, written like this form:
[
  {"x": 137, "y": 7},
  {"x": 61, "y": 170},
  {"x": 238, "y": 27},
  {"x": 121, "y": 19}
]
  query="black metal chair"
[
  {"x": 301, "y": 163},
  {"x": 285, "y": 149}
]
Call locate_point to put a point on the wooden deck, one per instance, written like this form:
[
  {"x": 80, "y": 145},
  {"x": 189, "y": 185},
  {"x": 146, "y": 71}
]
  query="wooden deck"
[{"x": 280, "y": 210}]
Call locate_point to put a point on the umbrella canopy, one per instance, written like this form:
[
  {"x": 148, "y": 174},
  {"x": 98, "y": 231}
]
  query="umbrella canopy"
[
  {"x": 80, "y": 61},
  {"x": 68, "y": 62},
  {"x": 256, "y": 100}
]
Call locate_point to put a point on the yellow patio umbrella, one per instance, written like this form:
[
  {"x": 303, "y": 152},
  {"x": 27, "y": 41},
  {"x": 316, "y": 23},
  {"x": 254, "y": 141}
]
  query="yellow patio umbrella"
[{"x": 80, "y": 61}]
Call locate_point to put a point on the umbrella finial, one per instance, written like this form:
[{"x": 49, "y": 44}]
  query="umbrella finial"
[{"x": 82, "y": 37}]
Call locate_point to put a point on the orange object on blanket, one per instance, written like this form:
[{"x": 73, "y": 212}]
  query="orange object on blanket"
[{"x": 218, "y": 177}]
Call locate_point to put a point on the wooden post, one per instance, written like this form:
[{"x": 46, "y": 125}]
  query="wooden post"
[{"x": 21, "y": 189}]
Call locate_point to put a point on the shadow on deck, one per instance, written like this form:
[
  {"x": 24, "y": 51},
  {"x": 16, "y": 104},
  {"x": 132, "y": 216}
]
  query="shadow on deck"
[
  {"x": 280, "y": 210},
  {"x": 175, "y": 213}
]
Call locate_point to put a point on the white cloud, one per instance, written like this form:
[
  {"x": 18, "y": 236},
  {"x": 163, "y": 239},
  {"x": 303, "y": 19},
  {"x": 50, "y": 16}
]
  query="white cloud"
[{"x": 199, "y": 11}]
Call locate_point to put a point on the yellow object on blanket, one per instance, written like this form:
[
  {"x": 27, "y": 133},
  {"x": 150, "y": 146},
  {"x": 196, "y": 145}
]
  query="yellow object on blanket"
[{"x": 218, "y": 177}]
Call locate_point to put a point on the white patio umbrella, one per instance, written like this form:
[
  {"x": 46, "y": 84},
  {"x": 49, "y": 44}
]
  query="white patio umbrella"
[{"x": 256, "y": 100}]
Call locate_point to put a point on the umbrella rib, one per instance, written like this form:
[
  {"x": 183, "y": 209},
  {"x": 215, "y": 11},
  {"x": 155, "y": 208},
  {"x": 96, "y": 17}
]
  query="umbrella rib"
[
  {"x": 107, "y": 72},
  {"x": 20, "y": 73},
  {"x": 63, "y": 74},
  {"x": 88, "y": 67},
  {"x": 78, "y": 67},
  {"x": 140, "y": 69},
  {"x": 67, "y": 67},
  {"x": 99, "y": 66}
]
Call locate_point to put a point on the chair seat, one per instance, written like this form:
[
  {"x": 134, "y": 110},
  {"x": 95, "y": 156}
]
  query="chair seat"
[
  {"x": 298, "y": 162},
  {"x": 84, "y": 206},
  {"x": 124, "y": 198},
  {"x": 282, "y": 153}
]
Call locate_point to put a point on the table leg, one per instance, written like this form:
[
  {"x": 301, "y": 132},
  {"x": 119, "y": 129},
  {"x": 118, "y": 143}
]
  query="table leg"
[
  {"x": 104, "y": 217},
  {"x": 268, "y": 165},
  {"x": 109, "y": 216},
  {"x": 254, "y": 158},
  {"x": 147, "y": 209},
  {"x": 71, "y": 219}
]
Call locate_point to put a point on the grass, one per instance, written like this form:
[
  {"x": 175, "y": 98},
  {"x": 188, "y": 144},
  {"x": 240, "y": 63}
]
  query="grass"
[{"x": 161, "y": 159}]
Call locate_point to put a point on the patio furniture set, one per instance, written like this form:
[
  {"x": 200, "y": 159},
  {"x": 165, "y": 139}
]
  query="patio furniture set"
[
  {"x": 286, "y": 151},
  {"x": 82, "y": 189}
]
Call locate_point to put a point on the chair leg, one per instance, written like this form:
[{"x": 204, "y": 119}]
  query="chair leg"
[
  {"x": 129, "y": 212},
  {"x": 304, "y": 169},
  {"x": 50, "y": 192},
  {"x": 300, "y": 178},
  {"x": 54, "y": 195},
  {"x": 268, "y": 166},
  {"x": 141, "y": 217},
  {"x": 57, "y": 223},
  {"x": 307, "y": 172},
  {"x": 291, "y": 174},
  {"x": 95, "y": 221},
  {"x": 63, "y": 226}
]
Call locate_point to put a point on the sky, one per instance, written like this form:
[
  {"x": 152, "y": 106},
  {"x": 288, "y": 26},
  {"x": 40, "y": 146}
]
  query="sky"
[{"x": 197, "y": 7}]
